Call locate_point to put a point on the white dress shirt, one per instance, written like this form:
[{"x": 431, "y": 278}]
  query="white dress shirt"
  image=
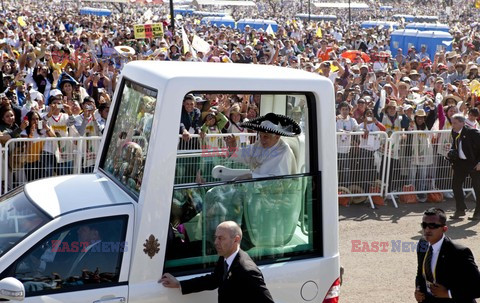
[
  {"x": 230, "y": 259},
  {"x": 461, "y": 154},
  {"x": 435, "y": 253}
]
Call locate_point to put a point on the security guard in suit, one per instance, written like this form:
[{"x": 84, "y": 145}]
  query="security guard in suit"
[
  {"x": 465, "y": 157},
  {"x": 236, "y": 276},
  {"x": 446, "y": 271}
]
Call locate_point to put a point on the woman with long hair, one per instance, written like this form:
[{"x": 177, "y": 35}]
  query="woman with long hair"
[
  {"x": 10, "y": 130},
  {"x": 71, "y": 89},
  {"x": 8, "y": 127},
  {"x": 36, "y": 129}
]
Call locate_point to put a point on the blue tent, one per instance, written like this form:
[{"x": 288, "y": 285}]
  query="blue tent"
[
  {"x": 183, "y": 11},
  {"x": 374, "y": 24},
  {"x": 95, "y": 11},
  {"x": 434, "y": 41},
  {"x": 430, "y": 19},
  {"x": 256, "y": 24},
  {"x": 316, "y": 17},
  {"x": 219, "y": 21},
  {"x": 386, "y": 8},
  {"x": 403, "y": 38},
  {"x": 407, "y": 18},
  {"x": 208, "y": 14},
  {"x": 429, "y": 27}
]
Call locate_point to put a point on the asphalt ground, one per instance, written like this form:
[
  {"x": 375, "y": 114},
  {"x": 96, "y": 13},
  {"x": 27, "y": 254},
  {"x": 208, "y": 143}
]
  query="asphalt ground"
[{"x": 387, "y": 274}]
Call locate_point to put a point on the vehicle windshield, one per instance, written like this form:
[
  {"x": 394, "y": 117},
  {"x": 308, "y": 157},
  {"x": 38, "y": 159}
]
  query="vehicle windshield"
[
  {"x": 127, "y": 144},
  {"x": 18, "y": 218}
]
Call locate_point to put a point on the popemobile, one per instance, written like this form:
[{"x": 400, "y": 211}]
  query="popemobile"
[{"x": 156, "y": 195}]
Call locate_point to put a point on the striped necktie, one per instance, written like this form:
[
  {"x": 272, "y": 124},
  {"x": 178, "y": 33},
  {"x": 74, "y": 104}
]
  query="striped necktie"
[{"x": 428, "y": 265}]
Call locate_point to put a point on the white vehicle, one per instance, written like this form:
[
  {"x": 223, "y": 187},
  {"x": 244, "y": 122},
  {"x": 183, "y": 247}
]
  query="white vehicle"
[{"x": 154, "y": 200}]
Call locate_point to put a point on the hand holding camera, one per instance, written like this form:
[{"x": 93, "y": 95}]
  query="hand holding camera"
[{"x": 452, "y": 156}]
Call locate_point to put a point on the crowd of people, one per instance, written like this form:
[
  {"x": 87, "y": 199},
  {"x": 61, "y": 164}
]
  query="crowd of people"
[{"x": 59, "y": 69}]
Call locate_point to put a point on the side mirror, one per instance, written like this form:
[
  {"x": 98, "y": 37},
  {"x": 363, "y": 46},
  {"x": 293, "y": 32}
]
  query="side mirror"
[{"x": 12, "y": 289}]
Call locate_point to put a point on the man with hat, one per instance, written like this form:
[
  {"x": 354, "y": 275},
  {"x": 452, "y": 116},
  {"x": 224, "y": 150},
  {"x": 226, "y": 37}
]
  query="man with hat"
[
  {"x": 414, "y": 78},
  {"x": 423, "y": 53},
  {"x": 269, "y": 156},
  {"x": 458, "y": 74}
]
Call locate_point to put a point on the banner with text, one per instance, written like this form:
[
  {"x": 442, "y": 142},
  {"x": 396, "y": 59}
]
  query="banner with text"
[{"x": 143, "y": 31}]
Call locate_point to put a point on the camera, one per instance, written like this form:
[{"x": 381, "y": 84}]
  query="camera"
[{"x": 452, "y": 156}]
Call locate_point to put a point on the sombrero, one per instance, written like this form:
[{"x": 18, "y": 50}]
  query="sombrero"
[
  {"x": 274, "y": 124},
  {"x": 125, "y": 50}
]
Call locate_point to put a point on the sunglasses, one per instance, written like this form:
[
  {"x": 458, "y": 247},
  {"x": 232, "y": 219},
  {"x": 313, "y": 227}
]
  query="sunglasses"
[{"x": 431, "y": 225}]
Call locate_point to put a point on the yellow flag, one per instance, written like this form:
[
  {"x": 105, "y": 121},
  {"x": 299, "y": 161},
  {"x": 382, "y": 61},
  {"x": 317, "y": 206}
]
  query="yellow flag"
[
  {"x": 475, "y": 87},
  {"x": 477, "y": 3},
  {"x": 21, "y": 22},
  {"x": 319, "y": 33}
]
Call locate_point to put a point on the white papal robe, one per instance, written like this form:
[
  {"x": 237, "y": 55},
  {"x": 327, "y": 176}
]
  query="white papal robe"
[{"x": 277, "y": 160}]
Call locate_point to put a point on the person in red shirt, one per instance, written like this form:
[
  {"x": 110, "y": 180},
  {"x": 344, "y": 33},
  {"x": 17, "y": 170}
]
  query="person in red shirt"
[{"x": 324, "y": 52}]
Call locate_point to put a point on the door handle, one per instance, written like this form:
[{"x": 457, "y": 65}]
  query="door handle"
[{"x": 111, "y": 300}]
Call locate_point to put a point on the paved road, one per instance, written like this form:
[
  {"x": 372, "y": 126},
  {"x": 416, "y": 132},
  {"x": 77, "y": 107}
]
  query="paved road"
[{"x": 390, "y": 276}]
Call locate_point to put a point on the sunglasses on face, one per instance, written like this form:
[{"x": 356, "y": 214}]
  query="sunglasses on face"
[{"x": 431, "y": 225}]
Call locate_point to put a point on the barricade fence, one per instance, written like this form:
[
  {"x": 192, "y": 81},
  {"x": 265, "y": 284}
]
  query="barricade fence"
[
  {"x": 212, "y": 142},
  {"x": 405, "y": 163},
  {"x": 198, "y": 156},
  {"x": 370, "y": 166},
  {"x": 361, "y": 165},
  {"x": 29, "y": 159}
]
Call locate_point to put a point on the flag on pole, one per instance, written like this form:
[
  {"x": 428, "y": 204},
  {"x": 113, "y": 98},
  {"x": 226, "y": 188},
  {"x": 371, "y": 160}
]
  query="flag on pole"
[
  {"x": 186, "y": 43},
  {"x": 200, "y": 45},
  {"x": 319, "y": 33},
  {"x": 269, "y": 30}
]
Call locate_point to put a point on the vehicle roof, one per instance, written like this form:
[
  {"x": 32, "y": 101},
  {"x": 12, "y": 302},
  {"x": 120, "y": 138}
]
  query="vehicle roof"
[
  {"x": 165, "y": 70},
  {"x": 59, "y": 195}
]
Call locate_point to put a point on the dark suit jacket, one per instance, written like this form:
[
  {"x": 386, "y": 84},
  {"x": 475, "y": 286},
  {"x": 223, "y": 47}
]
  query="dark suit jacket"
[
  {"x": 186, "y": 122},
  {"x": 456, "y": 270},
  {"x": 470, "y": 139},
  {"x": 244, "y": 283}
]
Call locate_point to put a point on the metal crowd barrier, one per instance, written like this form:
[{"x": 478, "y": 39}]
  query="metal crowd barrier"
[
  {"x": 212, "y": 142},
  {"x": 369, "y": 166},
  {"x": 197, "y": 157},
  {"x": 27, "y": 159},
  {"x": 417, "y": 164},
  {"x": 407, "y": 162},
  {"x": 361, "y": 165}
]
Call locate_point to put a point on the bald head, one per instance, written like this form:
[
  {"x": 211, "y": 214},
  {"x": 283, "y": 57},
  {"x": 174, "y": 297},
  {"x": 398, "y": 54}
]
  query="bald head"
[
  {"x": 227, "y": 238},
  {"x": 232, "y": 228}
]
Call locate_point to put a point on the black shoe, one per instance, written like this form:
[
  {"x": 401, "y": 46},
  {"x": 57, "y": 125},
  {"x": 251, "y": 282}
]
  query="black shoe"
[{"x": 458, "y": 215}]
